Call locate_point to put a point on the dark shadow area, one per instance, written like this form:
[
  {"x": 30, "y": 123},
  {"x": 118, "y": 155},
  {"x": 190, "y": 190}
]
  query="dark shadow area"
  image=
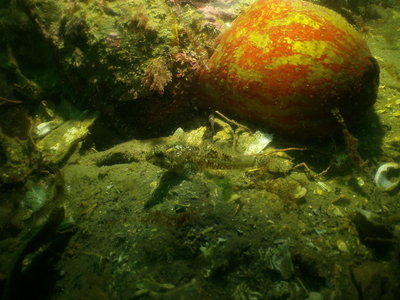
[
  {"x": 319, "y": 154},
  {"x": 370, "y": 133},
  {"x": 375, "y": 236},
  {"x": 158, "y": 116},
  {"x": 32, "y": 272},
  {"x": 38, "y": 280}
]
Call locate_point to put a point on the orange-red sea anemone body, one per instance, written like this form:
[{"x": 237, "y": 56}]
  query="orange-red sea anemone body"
[{"x": 287, "y": 64}]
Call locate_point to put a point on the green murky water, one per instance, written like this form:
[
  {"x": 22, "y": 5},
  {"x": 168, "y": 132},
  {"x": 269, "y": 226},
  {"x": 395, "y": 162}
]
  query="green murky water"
[{"x": 116, "y": 184}]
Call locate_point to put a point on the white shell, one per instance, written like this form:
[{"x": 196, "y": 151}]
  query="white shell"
[
  {"x": 383, "y": 180},
  {"x": 260, "y": 141},
  {"x": 44, "y": 128}
]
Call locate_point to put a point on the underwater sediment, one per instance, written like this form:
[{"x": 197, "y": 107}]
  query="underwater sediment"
[{"x": 214, "y": 208}]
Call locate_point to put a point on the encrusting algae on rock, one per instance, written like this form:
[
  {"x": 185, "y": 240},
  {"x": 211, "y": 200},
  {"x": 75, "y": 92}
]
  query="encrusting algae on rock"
[{"x": 287, "y": 64}]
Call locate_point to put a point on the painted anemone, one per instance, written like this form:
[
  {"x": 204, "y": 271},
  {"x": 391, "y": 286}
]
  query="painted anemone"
[{"x": 288, "y": 64}]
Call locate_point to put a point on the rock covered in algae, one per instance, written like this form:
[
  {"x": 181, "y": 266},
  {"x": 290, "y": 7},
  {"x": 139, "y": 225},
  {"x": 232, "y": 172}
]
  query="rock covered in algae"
[
  {"x": 116, "y": 51},
  {"x": 287, "y": 64}
]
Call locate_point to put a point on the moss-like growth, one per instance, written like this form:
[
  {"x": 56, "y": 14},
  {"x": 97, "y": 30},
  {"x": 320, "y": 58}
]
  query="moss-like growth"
[
  {"x": 157, "y": 75},
  {"x": 119, "y": 50}
]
